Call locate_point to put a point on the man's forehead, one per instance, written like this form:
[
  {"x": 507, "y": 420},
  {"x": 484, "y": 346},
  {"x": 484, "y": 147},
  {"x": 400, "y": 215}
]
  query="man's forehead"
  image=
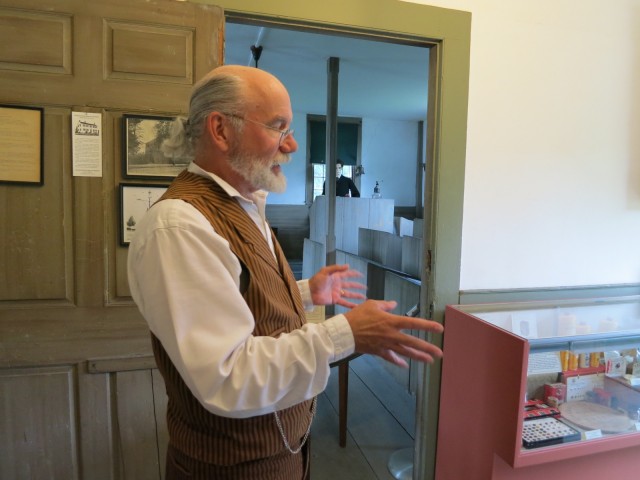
[{"x": 274, "y": 103}]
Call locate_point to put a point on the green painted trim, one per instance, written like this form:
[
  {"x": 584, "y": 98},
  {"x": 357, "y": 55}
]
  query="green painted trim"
[
  {"x": 390, "y": 16},
  {"x": 471, "y": 297}
]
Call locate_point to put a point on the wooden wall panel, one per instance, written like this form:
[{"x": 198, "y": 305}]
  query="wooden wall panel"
[
  {"x": 148, "y": 53},
  {"x": 412, "y": 256},
  {"x": 38, "y": 423},
  {"x": 314, "y": 258},
  {"x": 292, "y": 222},
  {"x": 418, "y": 227},
  {"x": 382, "y": 247},
  {"x": 407, "y": 293},
  {"x": 96, "y": 424},
  {"x": 135, "y": 426},
  {"x": 116, "y": 53},
  {"x": 351, "y": 214},
  {"x": 59, "y": 243},
  {"x": 356, "y": 263},
  {"x": 119, "y": 292},
  {"x": 160, "y": 403},
  {"x": 36, "y": 247},
  {"x": 35, "y": 41}
]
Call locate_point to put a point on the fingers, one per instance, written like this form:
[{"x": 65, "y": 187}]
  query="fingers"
[
  {"x": 346, "y": 303},
  {"x": 426, "y": 353},
  {"x": 356, "y": 285},
  {"x": 331, "y": 269},
  {"x": 349, "y": 273},
  {"x": 411, "y": 346},
  {"x": 391, "y": 357},
  {"x": 350, "y": 294},
  {"x": 411, "y": 323},
  {"x": 343, "y": 271},
  {"x": 387, "y": 306}
]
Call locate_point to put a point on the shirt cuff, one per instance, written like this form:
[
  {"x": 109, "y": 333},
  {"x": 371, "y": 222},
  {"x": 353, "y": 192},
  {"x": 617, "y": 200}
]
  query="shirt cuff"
[
  {"x": 341, "y": 335},
  {"x": 305, "y": 292}
]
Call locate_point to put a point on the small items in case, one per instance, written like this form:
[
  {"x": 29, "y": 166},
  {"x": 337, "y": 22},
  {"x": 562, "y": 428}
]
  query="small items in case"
[
  {"x": 540, "y": 432},
  {"x": 539, "y": 409}
]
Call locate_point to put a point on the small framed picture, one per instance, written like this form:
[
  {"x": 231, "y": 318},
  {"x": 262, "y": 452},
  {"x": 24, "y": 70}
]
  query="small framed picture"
[
  {"x": 135, "y": 200},
  {"x": 142, "y": 157}
]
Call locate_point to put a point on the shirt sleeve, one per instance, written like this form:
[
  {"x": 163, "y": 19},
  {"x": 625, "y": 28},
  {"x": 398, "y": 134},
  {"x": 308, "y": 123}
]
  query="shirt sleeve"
[
  {"x": 305, "y": 293},
  {"x": 185, "y": 280}
]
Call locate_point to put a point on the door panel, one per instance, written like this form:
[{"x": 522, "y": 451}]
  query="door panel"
[
  {"x": 125, "y": 54},
  {"x": 152, "y": 54},
  {"x": 64, "y": 298},
  {"x": 38, "y": 267},
  {"x": 40, "y": 41},
  {"x": 38, "y": 423}
]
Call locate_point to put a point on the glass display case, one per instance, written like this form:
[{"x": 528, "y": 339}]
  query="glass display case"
[{"x": 539, "y": 385}]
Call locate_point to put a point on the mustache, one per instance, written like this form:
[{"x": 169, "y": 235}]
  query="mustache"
[{"x": 282, "y": 158}]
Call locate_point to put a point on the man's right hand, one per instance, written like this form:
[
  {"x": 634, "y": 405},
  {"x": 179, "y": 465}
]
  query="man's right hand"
[{"x": 378, "y": 332}]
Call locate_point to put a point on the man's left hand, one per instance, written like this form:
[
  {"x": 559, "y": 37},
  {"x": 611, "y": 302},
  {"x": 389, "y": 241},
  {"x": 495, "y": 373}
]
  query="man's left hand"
[{"x": 331, "y": 286}]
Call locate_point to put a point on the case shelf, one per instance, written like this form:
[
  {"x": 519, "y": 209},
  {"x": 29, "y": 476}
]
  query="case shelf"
[{"x": 487, "y": 377}]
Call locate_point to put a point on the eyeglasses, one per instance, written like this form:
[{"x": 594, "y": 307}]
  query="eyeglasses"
[{"x": 283, "y": 133}]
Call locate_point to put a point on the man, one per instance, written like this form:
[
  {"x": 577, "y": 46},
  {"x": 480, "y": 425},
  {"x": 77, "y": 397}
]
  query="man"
[
  {"x": 344, "y": 185},
  {"x": 241, "y": 367}
]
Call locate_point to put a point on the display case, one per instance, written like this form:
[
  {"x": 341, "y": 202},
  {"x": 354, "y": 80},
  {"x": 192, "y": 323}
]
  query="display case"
[{"x": 531, "y": 389}]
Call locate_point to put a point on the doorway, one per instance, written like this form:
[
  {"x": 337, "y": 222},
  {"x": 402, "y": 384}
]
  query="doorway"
[{"x": 388, "y": 105}]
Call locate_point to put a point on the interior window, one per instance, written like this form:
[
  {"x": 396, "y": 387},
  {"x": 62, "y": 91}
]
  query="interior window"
[{"x": 349, "y": 134}]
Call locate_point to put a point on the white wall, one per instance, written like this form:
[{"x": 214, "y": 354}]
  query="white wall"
[
  {"x": 552, "y": 188},
  {"x": 389, "y": 149}
]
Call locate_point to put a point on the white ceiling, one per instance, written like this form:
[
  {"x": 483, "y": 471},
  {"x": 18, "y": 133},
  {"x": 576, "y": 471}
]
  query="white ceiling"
[{"x": 379, "y": 80}]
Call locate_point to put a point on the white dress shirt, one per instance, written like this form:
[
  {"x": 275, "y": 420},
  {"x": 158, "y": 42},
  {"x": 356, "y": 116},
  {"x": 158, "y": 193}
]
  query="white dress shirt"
[{"x": 185, "y": 280}]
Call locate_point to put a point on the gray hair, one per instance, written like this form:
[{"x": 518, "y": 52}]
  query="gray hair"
[{"x": 217, "y": 92}]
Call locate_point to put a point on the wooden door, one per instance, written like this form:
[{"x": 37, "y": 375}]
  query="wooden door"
[{"x": 79, "y": 395}]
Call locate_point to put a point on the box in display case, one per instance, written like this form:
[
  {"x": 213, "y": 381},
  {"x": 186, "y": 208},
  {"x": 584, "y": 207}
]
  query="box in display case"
[{"x": 540, "y": 387}]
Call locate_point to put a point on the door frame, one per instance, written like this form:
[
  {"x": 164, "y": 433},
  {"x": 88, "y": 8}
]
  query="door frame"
[{"x": 447, "y": 33}]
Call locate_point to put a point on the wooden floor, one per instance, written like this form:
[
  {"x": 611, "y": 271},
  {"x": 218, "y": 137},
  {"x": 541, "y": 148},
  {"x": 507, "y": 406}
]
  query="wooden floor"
[{"x": 381, "y": 419}]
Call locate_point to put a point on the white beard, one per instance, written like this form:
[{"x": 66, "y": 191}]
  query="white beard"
[{"x": 257, "y": 171}]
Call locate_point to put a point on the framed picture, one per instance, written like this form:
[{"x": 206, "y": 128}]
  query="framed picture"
[
  {"x": 142, "y": 137},
  {"x": 21, "y": 144},
  {"x": 135, "y": 200}
]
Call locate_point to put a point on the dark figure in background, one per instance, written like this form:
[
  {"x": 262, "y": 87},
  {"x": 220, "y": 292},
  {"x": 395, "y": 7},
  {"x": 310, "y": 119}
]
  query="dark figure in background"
[
  {"x": 344, "y": 185},
  {"x": 241, "y": 366}
]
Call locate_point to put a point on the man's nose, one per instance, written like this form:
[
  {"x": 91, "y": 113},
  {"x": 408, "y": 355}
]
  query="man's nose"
[{"x": 289, "y": 144}]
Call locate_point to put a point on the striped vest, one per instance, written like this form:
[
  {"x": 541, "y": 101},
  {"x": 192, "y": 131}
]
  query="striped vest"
[{"x": 274, "y": 299}]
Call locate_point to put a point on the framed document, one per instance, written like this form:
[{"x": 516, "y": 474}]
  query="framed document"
[
  {"x": 21, "y": 144},
  {"x": 135, "y": 200},
  {"x": 142, "y": 157}
]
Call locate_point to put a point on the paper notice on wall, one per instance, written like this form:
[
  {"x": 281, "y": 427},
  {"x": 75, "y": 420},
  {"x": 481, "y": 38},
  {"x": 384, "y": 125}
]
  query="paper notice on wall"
[{"x": 86, "y": 131}]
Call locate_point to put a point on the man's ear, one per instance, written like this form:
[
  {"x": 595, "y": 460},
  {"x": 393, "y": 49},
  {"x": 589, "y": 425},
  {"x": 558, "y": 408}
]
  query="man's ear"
[{"x": 218, "y": 130}]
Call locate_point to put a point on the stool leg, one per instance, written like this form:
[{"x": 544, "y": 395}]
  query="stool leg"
[{"x": 343, "y": 396}]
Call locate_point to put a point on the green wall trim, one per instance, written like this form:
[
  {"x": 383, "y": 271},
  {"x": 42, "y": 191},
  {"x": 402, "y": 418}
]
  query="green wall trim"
[{"x": 470, "y": 297}]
